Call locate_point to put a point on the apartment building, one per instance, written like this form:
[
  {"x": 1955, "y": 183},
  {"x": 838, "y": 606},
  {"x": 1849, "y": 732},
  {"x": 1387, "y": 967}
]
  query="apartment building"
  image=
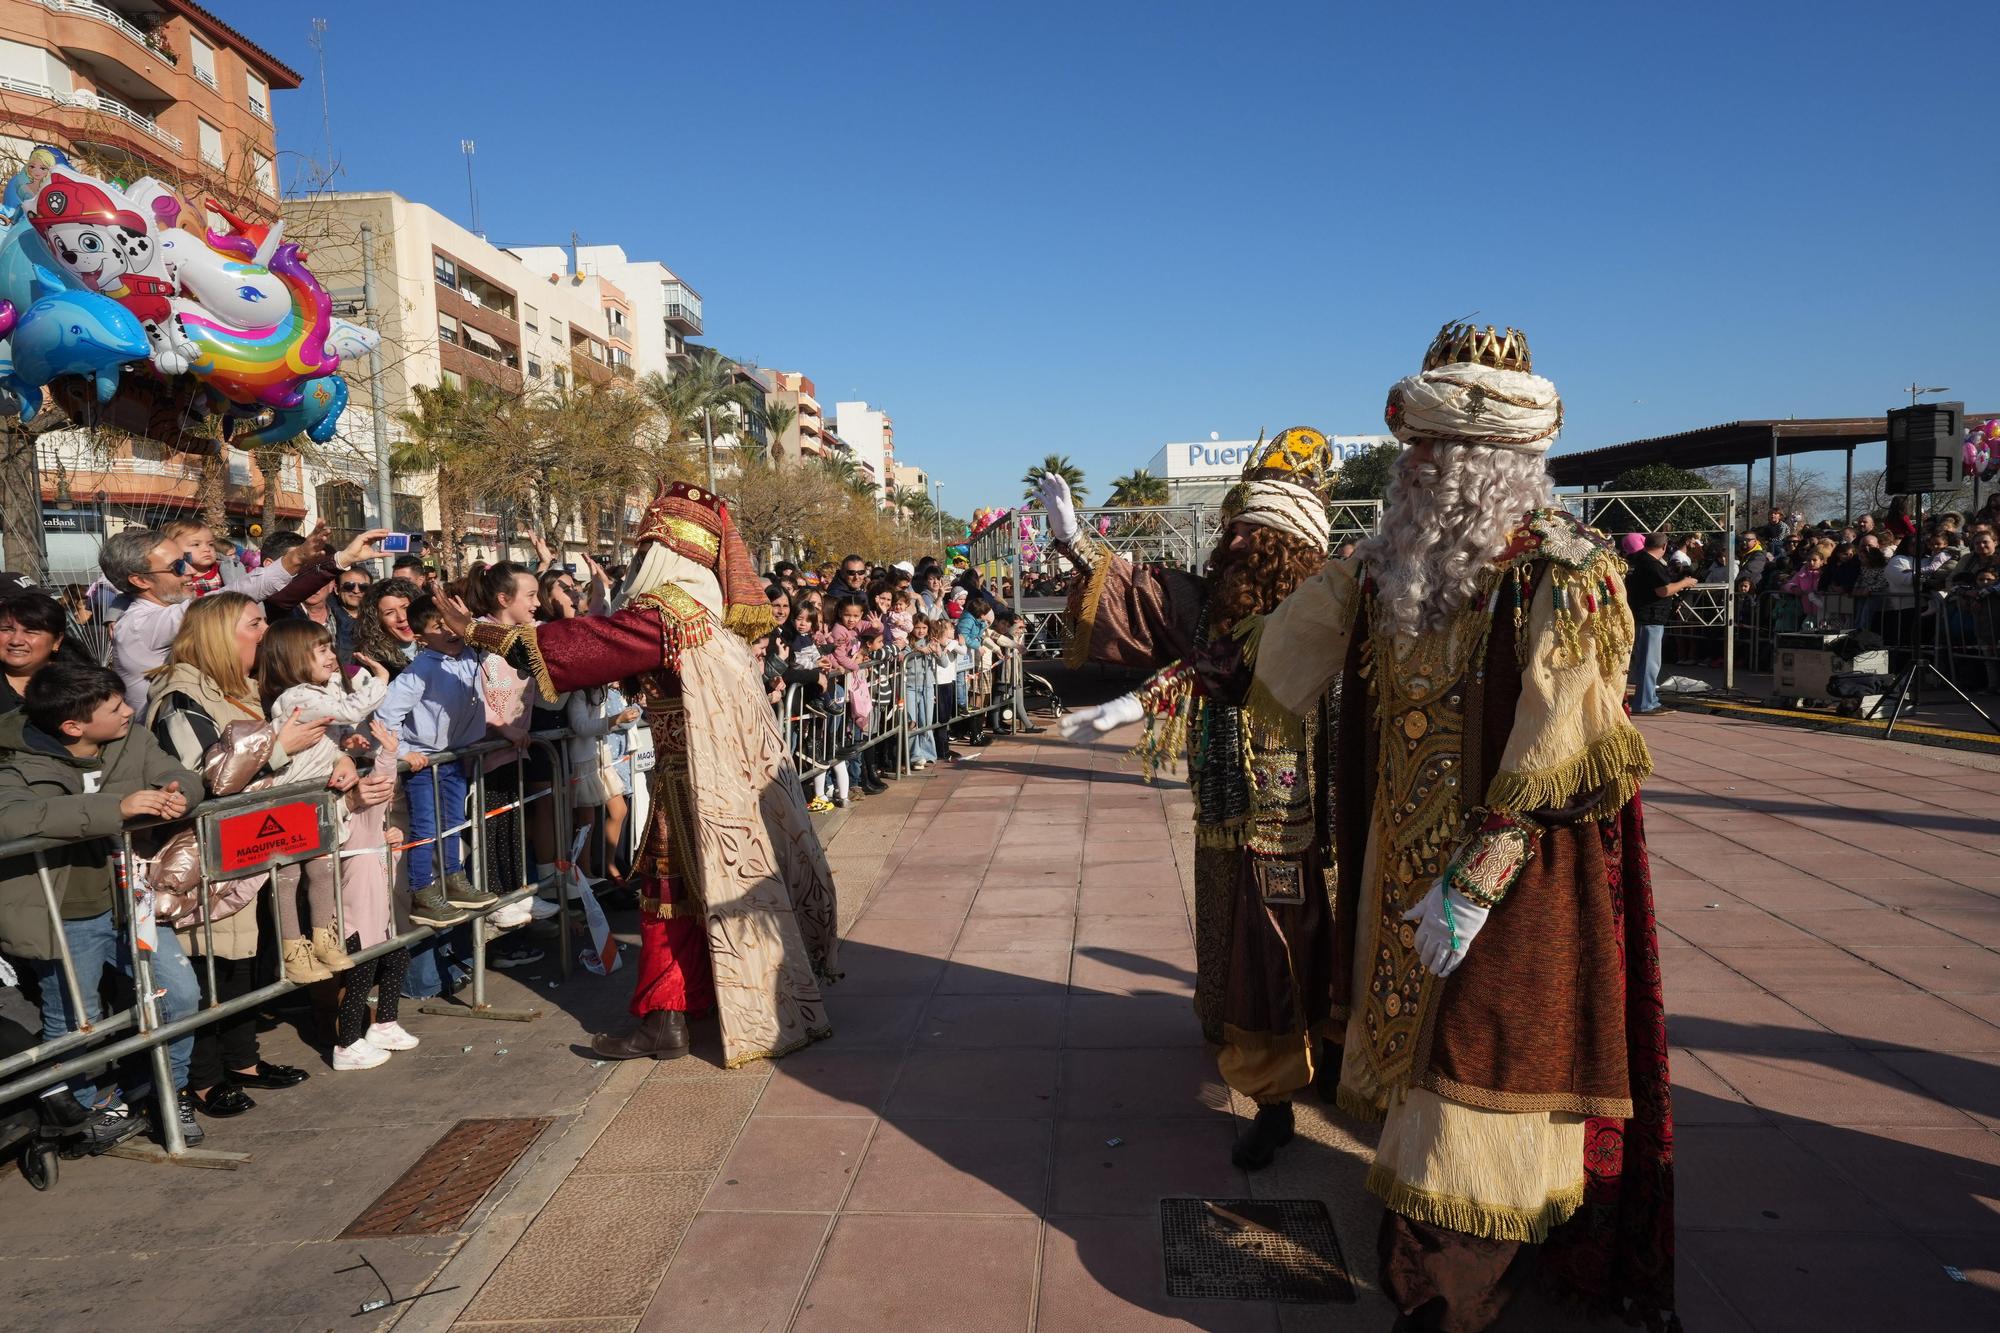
[
  {"x": 871, "y": 435},
  {"x": 452, "y": 308},
  {"x": 659, "y": 313},
  {"x": 144, "y": 87},
  {"x": 807, "y": 436}
]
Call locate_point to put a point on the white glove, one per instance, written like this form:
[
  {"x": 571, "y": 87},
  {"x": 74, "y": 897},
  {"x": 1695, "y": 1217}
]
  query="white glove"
[
  {"x": 1062, "y": 509},
  {"x": 1436, "y": 948},
  {"x": 1125, "y": 708}
]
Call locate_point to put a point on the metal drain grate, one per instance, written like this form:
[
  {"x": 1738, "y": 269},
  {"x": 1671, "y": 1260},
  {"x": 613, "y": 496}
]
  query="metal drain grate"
[
  {"x": 1253, "y": 1250},
  {"x": 442, "y": 1187}
]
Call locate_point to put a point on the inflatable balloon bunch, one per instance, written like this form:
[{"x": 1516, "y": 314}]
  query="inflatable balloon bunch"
[
  {"x": 97, "y": 280},
  {"x": 983, "y": 519},
  {"x": 1982, "y": 450},
  {"x": 1024, "y": 531}
]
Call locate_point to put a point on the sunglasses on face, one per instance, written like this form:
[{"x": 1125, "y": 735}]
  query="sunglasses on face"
[{"x": 354, "y": 587}]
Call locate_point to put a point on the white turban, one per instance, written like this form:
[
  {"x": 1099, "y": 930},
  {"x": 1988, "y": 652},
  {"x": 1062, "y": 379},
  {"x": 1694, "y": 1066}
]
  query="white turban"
[
  {"x": 1295, "y": 510},
  {"x": 1472, "y": 404}
]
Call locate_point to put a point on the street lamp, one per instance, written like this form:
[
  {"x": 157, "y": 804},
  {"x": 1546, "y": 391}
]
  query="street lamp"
[
  {"x": 1916, "y": 393},
  {"x": 937, "y": 506}
]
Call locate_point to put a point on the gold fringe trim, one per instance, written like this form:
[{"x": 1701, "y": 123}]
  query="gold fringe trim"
[
  {"x": 812, "y": 1035},
  {"x": 1358, "y": 1105},
  {"x": 1226, "y": 837},
  {"x": 1077, "y": 651},
  {"x": 1167, "y": 699},
  {"x": 1524, "y": 1103},
  {"x": 1491, "y": 1221},
  {"x": 1617, "y": 761},
  {"x": 1250, "y": 632},
  {"x": 750, "y": 623}
]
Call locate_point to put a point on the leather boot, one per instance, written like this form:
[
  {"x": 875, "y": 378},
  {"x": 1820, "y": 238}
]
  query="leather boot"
[
  {"x": 301, "y": 968},
  {"x": 327, "y": 951},
  {"x": 1270, "y": 1131},
  {"x": 1326, "y": 1079},
  {"x": 661, "y": 1034}
]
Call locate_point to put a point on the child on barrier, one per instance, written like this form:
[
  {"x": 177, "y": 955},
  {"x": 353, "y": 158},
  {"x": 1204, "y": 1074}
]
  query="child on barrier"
[
  {"x": 976, "y": 691},
  {"x": 435, "y": 706},
  {"x": 361, "y": 1040},
  {"x": 952, "y": 664},
  {"x": 809, "y": 672},
  {"x": 589, "y": 723},
  {"x": 73, "y": 766},
  {"x": 859, "y": 639},
  {"x": 298, "y": 672},
  {"x": 902, "y": 617},
  {"x": 920, "y": 694}
]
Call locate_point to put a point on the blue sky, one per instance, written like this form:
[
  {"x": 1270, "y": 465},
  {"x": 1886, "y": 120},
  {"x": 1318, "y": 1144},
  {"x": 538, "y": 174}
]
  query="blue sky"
[{"x": 1090, "y": 228}]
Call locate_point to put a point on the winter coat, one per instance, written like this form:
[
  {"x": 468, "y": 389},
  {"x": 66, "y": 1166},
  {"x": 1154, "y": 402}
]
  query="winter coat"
[{"x": 43, "y": 795}]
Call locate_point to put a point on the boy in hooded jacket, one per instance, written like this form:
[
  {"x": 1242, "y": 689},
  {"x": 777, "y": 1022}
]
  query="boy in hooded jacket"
[{"x": 72, "y": 766}]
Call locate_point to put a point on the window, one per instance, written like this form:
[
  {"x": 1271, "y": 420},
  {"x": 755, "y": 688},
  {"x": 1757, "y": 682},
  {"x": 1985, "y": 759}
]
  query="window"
[
  {"x": 444, "y": 271},
  {"x": 211, "y": 144},
  {"x": 267, "y": 176},
  {"x": 555, "y": 329},
  {"x": 448, "y": 330},
  {"x": 562, "y": 378},
  {"x": 534, "y": 367},
  {"x": 259, "y": 95},
  {"x": 341, "y": 507},
  {"x": 529, "y": 317},
  {"x": 452, "y": 379},
  {"x": 204, "y": 59}
]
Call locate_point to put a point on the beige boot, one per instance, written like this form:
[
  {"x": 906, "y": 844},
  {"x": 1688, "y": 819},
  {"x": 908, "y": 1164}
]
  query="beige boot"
[
  {"x": 301, "y": 968},
  {"x": 327, "y": 950}
]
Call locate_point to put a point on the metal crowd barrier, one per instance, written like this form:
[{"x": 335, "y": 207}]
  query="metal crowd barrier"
[{"x": 817, "y": 740}]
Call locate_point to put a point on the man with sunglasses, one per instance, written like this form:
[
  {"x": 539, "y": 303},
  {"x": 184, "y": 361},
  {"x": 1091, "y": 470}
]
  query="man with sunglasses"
[{"x": 150, "y": 572}]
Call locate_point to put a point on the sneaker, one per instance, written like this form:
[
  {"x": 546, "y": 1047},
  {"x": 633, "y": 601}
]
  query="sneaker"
[
  {"x": 390, "y": 1037},
  {"x": 540, "y": 908},
  {"x": 428, "y": 907},
  {"x": 512, "y": 954},
  {"x": 106, "y": 1129},
  {"x": 819, "y": 805},
  {"x": 512, "y": 915},
  {"x": 363, "y": 1054},
  {"x": 191, "y": 1130},
  {"x": 841, "y": 801},
  {"x": 460, "y": 891}
]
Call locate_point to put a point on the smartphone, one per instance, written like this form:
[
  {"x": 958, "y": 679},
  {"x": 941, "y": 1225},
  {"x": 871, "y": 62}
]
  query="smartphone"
[{"x": 396, "y": 543}]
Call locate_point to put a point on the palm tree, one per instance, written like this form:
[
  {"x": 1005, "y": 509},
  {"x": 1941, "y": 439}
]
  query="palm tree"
[
  {"x": 1138, "y": 487},
  {"x": 442, "y": 435},
  {"x": 776, "y": 419},
  {"x": 1062, "y": 467},
  {"x": 704, "y": 389}
]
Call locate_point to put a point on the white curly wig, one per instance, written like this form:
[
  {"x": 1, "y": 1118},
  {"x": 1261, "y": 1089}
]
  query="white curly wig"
[{"x": 1444, "y": 521}]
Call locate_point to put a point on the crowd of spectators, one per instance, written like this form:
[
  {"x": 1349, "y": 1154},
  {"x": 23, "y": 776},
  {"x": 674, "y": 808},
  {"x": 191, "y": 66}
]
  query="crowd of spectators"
[
  {"x": 1861, "y": 575},
  {"x": 218, "y": 671}
]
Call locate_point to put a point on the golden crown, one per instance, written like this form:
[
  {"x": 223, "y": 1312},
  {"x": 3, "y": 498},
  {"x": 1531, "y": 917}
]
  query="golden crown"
[
  {"x": 1468, "y": 344},
  {"x": 1297, "y": 454}
]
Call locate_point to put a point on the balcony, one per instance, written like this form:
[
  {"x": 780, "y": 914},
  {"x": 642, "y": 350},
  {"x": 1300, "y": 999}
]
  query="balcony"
[{"x": 683, "y": 307}]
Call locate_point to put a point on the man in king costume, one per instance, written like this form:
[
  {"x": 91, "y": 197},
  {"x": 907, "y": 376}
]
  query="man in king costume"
[
  {"x": 736, "y": 899},
  {"x": 1495, "y": 961},
  {"x": 1263, "y": 931}
]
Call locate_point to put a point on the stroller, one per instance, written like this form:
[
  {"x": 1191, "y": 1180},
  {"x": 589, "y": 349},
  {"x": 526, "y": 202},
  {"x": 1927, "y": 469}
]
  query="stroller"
[{"x": 42, "y": 1127}]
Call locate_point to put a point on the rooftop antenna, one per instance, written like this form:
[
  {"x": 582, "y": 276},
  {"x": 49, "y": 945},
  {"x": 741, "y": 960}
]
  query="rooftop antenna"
[
  {"x": 318, "y": 40},
  {"x": 467, "y": 147},
  {"x": 575, "y": 263}
]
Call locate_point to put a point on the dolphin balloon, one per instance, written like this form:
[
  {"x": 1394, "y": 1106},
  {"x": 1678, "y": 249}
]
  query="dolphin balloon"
[{"x": 70, "y": 333}]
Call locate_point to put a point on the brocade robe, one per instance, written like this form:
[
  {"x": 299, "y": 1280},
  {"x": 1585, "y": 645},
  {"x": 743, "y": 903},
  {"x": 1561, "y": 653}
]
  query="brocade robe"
[
  {"x": 1263, "y": 931},
  {"x": 1529, "y": 1088},
  {"x": 729, "y": 861}
]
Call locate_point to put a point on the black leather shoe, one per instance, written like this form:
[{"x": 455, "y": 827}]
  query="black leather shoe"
[
  {"x": 267, "y": 1075},
  {"x": 1270, "y": 1131},
  {"x": 224, "y": 1100}
]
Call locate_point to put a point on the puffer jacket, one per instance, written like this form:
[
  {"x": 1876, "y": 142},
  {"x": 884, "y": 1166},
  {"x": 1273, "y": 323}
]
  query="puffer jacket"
[
  {"x": 42, "y": 795},
  {"x": 237, "y": 750}
]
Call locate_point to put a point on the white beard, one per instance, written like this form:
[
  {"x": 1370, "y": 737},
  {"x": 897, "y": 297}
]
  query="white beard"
[{"x": 1442, "y": 525}]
